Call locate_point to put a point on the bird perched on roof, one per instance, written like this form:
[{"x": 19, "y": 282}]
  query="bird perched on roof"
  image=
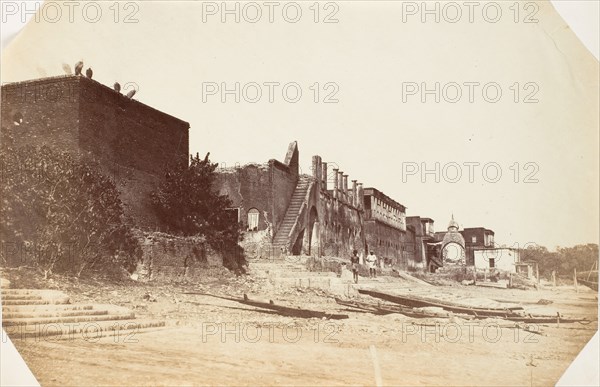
[
  {"x": 78, "y": 67},
  {"x": 89, "y": 72},
  {"x": 67, "y": 69},
  {"x": 117, "y": 87},
  {"x": 131, "y": 93}
]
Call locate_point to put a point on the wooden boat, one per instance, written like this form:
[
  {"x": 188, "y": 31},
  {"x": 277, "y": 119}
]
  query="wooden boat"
[
  {"x": 291, "y": 312},
  {"x": 589, "y": 279},
  {"x": 418, "y": 302},
  {"x": 364, "y": 306},
  {"x": 383, "y": 309},
  {"x": 590, "y": 284}
]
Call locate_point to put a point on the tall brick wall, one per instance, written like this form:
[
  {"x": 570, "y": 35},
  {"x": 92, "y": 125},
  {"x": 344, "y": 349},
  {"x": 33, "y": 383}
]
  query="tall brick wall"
[
  {"x": 48, "y": 109},
  {"x": 133, "y": 142},
  {"x": 126, "y": 132}
]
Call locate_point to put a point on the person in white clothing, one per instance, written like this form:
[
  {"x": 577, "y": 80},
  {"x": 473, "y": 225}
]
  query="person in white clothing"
[{"x": 372, "y": 264}]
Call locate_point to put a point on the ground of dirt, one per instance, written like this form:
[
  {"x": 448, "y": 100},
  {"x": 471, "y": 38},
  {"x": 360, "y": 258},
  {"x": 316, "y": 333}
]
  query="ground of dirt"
[{"x": 215, "y": 341}]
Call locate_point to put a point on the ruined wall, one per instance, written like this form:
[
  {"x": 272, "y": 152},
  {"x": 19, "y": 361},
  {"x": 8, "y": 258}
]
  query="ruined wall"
[
  {"x": 169, "y": 257},
  {"x": 248, "y": 187},
  {"x": 265, "y": 187},
  {"x": 341, "y": 227}
]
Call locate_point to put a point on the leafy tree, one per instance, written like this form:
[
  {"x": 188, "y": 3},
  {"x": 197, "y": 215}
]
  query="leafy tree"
[
  {"x": 563, "y": 260},
  {"x": 61, "y": 214},
  {"x": 187, "y": 203}
]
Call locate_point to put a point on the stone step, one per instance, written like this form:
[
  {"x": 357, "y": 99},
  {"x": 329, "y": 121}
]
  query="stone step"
[
  {"x": 21, "y": 297},
  {"x": 4, "y": 283},
  {"x": 64, "y": 313},
  {"x": 44, "y": 308},
  {"x": 90, "y": 331},
  {"x": 61, "y": 300},
  {"x": 49, "y": 293},
  {"x": 66, "y": 319}
]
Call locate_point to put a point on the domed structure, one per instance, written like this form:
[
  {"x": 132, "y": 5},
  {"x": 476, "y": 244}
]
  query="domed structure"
[
  {"x": 453, "y": 225},
  {"x": 453, "y": 245}
]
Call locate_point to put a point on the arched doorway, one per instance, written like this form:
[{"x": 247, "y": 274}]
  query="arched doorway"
[{"x": 453, "y": 253}]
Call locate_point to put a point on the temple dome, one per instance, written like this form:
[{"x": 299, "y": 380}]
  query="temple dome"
[
  {"x": 453, "y": 224},
  {"x": 453, "y": 237}
]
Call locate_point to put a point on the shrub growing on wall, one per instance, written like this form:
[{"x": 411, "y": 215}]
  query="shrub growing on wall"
[
  {"x": 61, "y": 214},
  {"x": 187, "y": 203}
]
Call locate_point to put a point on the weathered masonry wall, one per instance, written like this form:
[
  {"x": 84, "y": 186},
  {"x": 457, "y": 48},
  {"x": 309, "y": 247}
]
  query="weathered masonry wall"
[
  {"x": 342, "y": 228},
  {"x": 266, "y": 188},
  {"x": 132, "y": 142},
  {"x": 123, "y": 131},
  {"x": 169, "y": 257},
  {"x": 41, "y": 112},
  {"x": 248, "y": 188},
  {"x": 392, "y": 244}
]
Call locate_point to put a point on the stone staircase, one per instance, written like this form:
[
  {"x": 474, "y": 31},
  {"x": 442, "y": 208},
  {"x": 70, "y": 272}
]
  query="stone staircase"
[
  {"x": 42, "y": 313},
  {"x": 282, "y": 237}
]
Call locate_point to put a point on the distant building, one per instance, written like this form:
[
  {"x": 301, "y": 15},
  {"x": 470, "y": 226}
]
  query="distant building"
[
  {"x": 452, "y": 245},
  {"x": 498, "y": 258},
  {"x": 385, "y": 229},
  {"x": 476, "y": 238},
  {"x": 426, "y": 251}
]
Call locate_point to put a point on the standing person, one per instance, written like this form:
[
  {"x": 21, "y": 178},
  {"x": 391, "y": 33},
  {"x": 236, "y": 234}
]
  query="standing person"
[
  {"x": 354, "y": 262},
  {"x": 372, "y": 262}
]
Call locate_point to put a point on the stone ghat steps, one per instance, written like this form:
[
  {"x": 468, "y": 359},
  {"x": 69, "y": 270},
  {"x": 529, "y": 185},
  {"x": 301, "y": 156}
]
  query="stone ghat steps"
[
  {"x": 64, "y": 313},
  {"x": 66, "y": 319},
  {"x": 52, "y": 301},
  {"x": 47, "y": 308},
  {"x": 89, "y": 331},
  {"x": 20, "y": 293},
  {"x": 36, "y": 313}
]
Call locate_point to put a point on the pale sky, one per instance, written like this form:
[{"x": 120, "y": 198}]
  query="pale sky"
[{"x": 369, "y": 56}]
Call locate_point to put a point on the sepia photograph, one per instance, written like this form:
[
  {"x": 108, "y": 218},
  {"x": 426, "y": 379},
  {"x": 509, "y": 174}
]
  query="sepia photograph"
[{"x": 299, "y": 193}]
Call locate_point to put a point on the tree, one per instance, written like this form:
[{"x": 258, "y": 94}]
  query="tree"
[
  {"x": 61, "y": 213},
  {"x": 563, "y": 260},
  {"x": 188, "y": 205}
]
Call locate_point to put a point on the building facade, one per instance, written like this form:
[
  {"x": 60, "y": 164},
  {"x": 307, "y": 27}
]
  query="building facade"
[
  {"x": 476, "y": 238},
  {"x": 385, "y": 229},
  {"x": 426, "y": 250},
  {"x": 285, "y": 212}
]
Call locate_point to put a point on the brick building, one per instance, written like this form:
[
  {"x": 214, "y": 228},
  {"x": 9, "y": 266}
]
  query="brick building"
[
  {"x": 131, "y": 141},
  {"x": 385, "y": 229},
  {"x": 426, "y": 250},
  {"x": 476, "y": 238}
]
